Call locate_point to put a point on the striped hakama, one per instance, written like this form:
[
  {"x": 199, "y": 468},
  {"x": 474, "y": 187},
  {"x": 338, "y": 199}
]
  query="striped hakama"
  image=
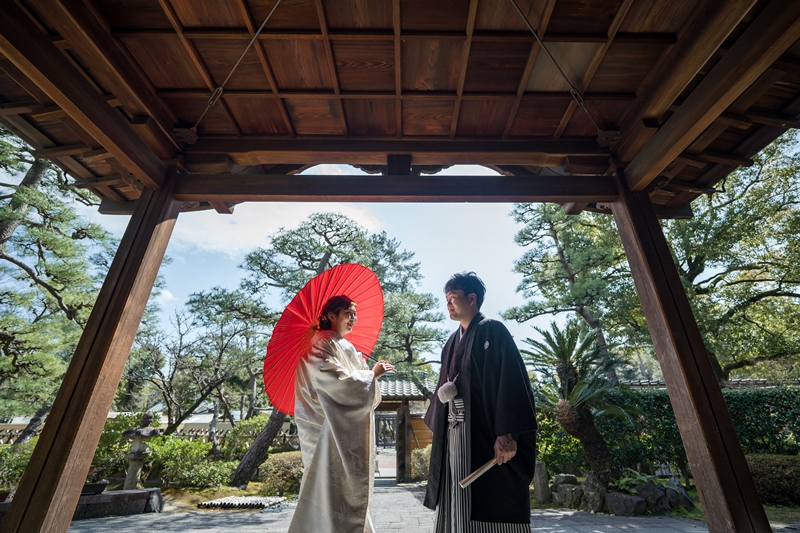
[{"x": 452, "y": 512}]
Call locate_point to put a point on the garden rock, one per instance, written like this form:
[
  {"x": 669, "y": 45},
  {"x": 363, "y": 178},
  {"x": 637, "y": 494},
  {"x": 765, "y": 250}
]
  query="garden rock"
[
  {"x": 594, "y": 493},
  {"x": 655, "y": 496},
  {"x": 570, "y": 495},
  {"x": 561, "y": 479},
  {"x": 677, "y": 495},
  {"x": 540, "y": 488},
  {"x": 625, "y": 504}
]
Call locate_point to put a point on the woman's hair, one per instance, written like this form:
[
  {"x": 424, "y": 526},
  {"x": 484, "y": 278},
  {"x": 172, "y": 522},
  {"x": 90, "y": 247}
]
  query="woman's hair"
[
  {"x": 470, "y": 283},
  {"x": 335, "y": 305}
]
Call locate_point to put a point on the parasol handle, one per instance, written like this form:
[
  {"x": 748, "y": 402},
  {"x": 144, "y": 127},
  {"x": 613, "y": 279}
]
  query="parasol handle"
[{"x": 467, "y": 481}]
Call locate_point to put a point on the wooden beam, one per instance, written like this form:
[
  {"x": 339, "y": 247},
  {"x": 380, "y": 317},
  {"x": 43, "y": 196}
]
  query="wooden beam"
[
  {"x": 110, "y": 63},
  {"x": 265, "y": 65},
  {"x": 775, "y": 29},
  {"x": 51, "y": 486},
  {"x": 223, "y": 208},
  {"x": 23, "y": 43},
  {"x": 462, "y": 72},
  {"x": 398, "y": 69},
  {"x": 720, "y": 471},
  {"x": 697, "y": 42},
  {"x": 323, "y": 25},
  {"x": 58, "y": 151},
  {"x": 397, "y": 188},
  {"x": 388, "y": 35},
  {"x": 250, "y": 151}
]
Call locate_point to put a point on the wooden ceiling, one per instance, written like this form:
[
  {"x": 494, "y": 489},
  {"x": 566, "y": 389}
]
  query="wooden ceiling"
[{"x": 687, "y": 91}]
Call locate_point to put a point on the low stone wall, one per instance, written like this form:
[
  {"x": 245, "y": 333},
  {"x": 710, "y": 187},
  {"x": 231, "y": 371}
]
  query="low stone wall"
[{"x": 112, "y": 503}]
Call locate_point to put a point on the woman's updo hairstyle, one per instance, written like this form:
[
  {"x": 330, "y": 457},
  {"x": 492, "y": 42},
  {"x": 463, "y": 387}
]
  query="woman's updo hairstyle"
[{"x": 335, "y": 305}]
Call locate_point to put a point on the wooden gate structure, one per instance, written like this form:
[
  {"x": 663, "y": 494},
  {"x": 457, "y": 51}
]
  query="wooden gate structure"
[{"x": 664, "y": 99}]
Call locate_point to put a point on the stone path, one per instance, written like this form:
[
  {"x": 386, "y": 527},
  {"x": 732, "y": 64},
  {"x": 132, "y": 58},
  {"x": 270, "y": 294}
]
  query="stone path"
[{"x": 396, "y": 508}]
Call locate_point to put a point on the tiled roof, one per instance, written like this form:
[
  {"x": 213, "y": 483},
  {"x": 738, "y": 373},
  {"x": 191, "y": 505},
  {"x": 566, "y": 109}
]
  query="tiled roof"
[{"x": 401, "y": 388}]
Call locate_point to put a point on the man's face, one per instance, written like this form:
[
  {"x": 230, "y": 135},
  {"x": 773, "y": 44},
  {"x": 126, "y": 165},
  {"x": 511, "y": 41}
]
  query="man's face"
[{"x": 459, "y": 305}]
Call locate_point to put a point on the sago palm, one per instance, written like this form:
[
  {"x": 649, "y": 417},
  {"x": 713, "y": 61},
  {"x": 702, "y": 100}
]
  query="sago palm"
[{"x": 574, "y": 385}]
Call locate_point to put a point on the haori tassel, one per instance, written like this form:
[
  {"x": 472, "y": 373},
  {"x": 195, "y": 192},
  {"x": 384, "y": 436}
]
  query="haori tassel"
[{"x": 448, "y": 391}]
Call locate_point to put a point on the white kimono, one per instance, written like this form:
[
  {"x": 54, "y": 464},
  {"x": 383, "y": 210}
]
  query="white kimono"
[{"x": 335, "y": 398}]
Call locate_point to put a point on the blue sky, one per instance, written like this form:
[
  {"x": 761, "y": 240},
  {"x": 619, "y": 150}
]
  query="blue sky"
[{"x": 206, "y": 247}]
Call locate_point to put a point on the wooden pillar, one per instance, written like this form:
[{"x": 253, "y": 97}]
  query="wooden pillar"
[
  {"x": 402, "y": 444},
  {"x": 720, "y": 471},
  {"x": 51, "y": 486}
]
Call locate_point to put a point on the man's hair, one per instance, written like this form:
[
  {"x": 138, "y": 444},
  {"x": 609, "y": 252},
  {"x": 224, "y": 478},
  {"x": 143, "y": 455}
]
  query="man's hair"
[
  {"x": 470, "y": 283},
  {"x": 335, "y": 305}
]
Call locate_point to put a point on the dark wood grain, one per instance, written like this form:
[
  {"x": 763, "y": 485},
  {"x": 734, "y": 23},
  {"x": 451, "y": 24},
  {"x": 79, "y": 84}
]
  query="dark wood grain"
[
  {"x": 402, "y": 188},
  {"x": 718, "y": 465},
  {"x": 50, "y": 488},
  {"x": 34, "y": 55}
]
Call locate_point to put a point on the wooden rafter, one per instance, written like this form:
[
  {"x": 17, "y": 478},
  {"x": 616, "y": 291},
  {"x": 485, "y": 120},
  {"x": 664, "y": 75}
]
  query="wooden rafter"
[
  {"x": 323, "y": 24},
  {"x": 406, "y": 95},
  {"x": 379, "y": 35},
  {"x": 748, "y": 148},
  {"x": 88, "y": 35},
  {"x": 248, "y": 152},
  {"x": 398, "y": 66},
  {"x": 462, "y": 73},
  {"x": 35, "y": 56},
  {"x": 697, "y": 43},
  {"x": 622, "y": 12},
  {"x": 194, "y": 55},
  {"x": 262, "y": 57},
  {"x": 399, "y": 188},
  {"x": 775, "y": 29},
  {"x": 544, "y": 20}
]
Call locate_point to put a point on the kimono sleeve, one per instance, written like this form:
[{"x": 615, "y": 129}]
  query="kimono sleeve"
[
  {"x": 506, "y": 383},
  {"x": 337, "y": 382}
]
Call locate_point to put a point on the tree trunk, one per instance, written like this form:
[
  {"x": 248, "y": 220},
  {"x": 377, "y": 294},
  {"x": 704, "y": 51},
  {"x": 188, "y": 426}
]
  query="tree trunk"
[
  {"x": 257, "y": 452},
  {"x": 593, "y": 443},
  {"x": 34, "y": 425},
  {"x": 32, "y": 179},
  {"x": 212, "y": 431},
  {"x": 252, "y": 384}
]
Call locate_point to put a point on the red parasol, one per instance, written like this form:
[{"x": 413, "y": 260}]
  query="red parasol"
[{"x": 292, "y": 335}]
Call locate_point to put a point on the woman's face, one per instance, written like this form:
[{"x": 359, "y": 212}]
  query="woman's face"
[{"x": 343, "y": 322}]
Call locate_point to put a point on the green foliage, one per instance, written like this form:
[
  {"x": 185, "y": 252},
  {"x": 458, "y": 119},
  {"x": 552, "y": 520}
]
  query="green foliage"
[
  {"x": 409, "y": 329},
  {"x": 743, "y": 285},
  {"x": 109, "y": 457},
  {"x": 766, "y": 420},
  {"x": 187, "y": 464},
  {"x": 239, "y": 439},
  {"x": 52, "y": 262},
  {"x": 629, "y": 481},
  {"x": 281, "y": 473},
  {"x": 420, "y": 462},
  {"x": 561, "y": 452},
  {"x": 13, "y": 461},
  {"x": 777, "y": 478}
]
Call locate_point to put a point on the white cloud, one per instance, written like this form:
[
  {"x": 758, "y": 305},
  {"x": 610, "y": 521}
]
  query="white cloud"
[
  {"x": 251, "y": 224},
  {"x": 164, "y": 297}
]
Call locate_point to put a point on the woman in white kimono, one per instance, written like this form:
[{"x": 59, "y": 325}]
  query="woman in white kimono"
[{"x": 336, "y": 394}]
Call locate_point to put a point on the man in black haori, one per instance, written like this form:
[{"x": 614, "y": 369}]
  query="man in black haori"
[{"x": 483, "y": 409}]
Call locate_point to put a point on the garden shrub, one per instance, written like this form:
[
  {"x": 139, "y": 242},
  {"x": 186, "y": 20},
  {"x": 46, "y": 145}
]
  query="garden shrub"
[
  {"x": 777, "y": 478},
  {"x": 281, "y": 473},
  {"x": 239, "y": 439},
  {"x": 187, "y": 463},
  {"x": 420, "y": 461},
  {"x": 109, "y": 457},
  {"x": 13, "y": 460},
  {"x": 767, "y": 421}
]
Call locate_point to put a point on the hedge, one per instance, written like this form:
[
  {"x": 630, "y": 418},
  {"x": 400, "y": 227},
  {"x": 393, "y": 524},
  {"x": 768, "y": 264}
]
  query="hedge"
[{"x": 767, "y": 421}]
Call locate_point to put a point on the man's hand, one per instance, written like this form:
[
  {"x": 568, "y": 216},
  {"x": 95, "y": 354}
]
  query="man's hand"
[{"x": 504, "y": 448}]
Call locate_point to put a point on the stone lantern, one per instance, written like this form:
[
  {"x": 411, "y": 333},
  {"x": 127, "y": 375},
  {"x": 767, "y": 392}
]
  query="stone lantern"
[{"x": 139, "y": 451}]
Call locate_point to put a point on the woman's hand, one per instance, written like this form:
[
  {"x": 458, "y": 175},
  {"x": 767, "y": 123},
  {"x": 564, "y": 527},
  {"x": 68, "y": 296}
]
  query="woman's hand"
[{"x": 382, "y": 367}]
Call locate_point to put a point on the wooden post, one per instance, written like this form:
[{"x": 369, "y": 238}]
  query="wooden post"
[
  {"x": 719, "y": 468},
  {"x": 51, "y": 485},
  {"x": 402, "y": 448}
]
